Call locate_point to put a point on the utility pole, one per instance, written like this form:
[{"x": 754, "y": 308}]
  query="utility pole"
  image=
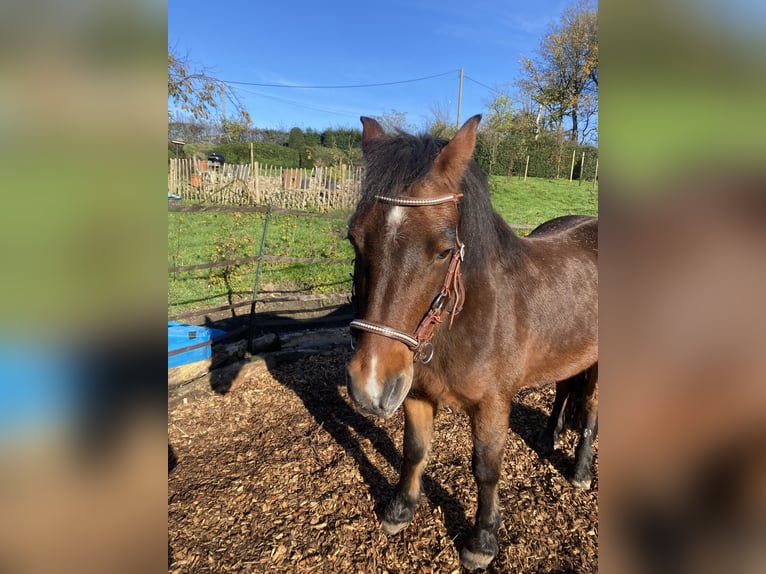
[{"x": 460, "y": 97}]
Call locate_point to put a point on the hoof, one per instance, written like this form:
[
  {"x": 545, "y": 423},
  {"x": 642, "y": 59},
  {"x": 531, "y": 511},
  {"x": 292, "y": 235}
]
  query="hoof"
[
  {"x": 474, "y": 560},
  {"x": 398, "y": 515},
  {"x": 583, "y": 483},
  {"x": 479, "y": 551},
  {"x": 391, "y": 528}
]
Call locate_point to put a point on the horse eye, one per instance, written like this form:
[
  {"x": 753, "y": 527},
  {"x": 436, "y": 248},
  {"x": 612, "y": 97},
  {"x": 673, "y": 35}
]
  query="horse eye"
[{"x": 444, "y": 254}]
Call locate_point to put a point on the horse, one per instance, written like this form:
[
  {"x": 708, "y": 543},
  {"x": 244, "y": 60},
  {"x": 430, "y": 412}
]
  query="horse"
[{"x": 453, "y": 308}]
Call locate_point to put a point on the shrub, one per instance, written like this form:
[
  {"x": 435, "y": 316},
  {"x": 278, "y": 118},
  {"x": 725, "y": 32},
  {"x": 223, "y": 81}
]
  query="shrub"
[{"x": 268, "y": 153}]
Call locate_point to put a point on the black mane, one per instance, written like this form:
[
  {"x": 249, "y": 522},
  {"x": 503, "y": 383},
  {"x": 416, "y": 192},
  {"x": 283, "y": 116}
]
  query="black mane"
[{"x": 396, "y": 162}]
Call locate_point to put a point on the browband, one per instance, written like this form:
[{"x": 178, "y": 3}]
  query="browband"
[{"x": 415, "y": 202}]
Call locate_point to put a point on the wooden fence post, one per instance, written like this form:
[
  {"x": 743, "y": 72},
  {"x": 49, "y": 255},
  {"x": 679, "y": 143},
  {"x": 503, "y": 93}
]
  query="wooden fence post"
[
  {"x": 257, "y": 171},
  {"x": 582, "y": 167},
  {"x": 571, "y": 170},
  {"x": 595, "y": 175},
  {"x": 172, "y": 178},
  {"x": 526, "y": 168}
]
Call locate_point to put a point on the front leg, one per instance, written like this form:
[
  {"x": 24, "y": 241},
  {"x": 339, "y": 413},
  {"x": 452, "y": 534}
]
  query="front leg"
[
  {"x": 418, "y": 431},
  {"x": 489, "y": 424}
]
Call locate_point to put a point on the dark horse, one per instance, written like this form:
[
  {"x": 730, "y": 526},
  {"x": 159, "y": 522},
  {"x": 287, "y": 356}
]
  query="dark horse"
[{"x": 516, "y": 311}]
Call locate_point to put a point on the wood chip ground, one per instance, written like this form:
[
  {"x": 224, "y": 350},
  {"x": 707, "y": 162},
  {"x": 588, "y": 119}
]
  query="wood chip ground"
[{"x": 282, "y": 474}]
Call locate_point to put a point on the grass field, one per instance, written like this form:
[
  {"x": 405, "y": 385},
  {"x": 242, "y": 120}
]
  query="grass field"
[
  {"x": 537, "y": 200},
  {"x": 195, "y": 238}
]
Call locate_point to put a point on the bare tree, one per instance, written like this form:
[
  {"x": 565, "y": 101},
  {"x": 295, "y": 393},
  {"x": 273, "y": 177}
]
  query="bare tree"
[
  {"x": 393, "y": 120},
  {"x": 439, "y": 124}
]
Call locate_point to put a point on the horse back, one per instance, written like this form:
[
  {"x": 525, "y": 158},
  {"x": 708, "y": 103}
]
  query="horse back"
[{"x": 581, "y": 229}]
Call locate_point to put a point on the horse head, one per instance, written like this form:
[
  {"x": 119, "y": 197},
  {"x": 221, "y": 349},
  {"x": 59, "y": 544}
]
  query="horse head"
[{"x": 408, "y": 255}]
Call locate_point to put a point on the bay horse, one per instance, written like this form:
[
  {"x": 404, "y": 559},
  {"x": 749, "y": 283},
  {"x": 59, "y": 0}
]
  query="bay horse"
[{"x": 452, "y": 307}]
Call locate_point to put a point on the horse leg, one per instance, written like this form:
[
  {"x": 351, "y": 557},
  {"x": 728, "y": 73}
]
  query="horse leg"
[
  {"x": 489, "y": 424},
  {"x": 549, "y": 438},
  {"x": 418, "y": 431},
  {"x": 582, "y": 475}
]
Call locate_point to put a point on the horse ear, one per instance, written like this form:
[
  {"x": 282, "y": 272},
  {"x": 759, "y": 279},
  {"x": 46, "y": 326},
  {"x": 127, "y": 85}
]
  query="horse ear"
[
  {"x": 371, "y": 131},
  {"x": 454, "y": 157}
]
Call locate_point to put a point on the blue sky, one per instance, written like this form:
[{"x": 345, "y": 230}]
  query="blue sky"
[{"x": 347, "y": 42}]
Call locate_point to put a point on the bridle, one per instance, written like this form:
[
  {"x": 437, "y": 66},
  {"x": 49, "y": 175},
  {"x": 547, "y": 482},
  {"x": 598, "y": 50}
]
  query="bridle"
[{"x": 420, "y": 342}]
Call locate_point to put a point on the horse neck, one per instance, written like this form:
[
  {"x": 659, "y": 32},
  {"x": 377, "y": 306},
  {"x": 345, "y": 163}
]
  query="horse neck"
[{"x": 491, "y": 246}]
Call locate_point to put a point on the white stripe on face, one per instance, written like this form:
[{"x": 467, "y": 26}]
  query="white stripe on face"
[
  {"x": 394, "y": 219},
  {"x": 373, "y": 390}
]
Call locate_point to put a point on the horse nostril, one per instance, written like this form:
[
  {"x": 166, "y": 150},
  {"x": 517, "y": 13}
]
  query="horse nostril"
[
  {"x": 390, "y": 398},
  {"x": 350, "y": 387}
]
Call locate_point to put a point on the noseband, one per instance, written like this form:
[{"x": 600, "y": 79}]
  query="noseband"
[{"x": 420, "y": 341}]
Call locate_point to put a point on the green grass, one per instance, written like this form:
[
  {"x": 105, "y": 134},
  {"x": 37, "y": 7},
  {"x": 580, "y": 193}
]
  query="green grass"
[
  {"x": 195, "y": 238},
  {"x": 538, "y": 200}
]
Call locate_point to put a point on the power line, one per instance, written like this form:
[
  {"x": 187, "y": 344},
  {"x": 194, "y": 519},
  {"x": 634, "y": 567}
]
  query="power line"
[
  {"x": 336, "y": 87},
  {"x": 467, "y": 77},
  {"x": 299, "y": 104}
]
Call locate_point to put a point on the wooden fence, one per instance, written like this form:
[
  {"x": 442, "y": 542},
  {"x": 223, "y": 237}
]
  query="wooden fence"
[{"x": 321, "y": 188}]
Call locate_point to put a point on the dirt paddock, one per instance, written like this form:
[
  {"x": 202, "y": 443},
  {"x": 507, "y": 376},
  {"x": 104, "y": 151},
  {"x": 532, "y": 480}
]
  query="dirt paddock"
[{"x": 282, "y": 474}]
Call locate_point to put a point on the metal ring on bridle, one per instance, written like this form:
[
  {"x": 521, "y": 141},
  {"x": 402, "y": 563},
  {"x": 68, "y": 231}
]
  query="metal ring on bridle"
[{"x": 425, "y": 352}]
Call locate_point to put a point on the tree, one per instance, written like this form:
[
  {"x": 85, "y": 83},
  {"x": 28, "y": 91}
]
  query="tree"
[
  {"x": 393, "y": 121},
  {"x": 342, "y": 138},
  {"x": 195, "y": 93},
  {"x": 497, "y": 125},
  {"x": 186, "y": 128},
  {"x": 439, "y": 124},
  {"x": 339, "y": 145},
  {"x": 563, "y": 78},
  {"x": 296, "y": 140},
  {"x": 198, "y": 94},
  {"x": 312, "y": 138},
  {"x": 271, "y": 136},
  {"x": 237, "y": 130}
]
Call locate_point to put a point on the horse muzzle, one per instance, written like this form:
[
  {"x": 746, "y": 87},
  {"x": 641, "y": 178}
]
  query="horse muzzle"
[{"x": 377, "y": 394}]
